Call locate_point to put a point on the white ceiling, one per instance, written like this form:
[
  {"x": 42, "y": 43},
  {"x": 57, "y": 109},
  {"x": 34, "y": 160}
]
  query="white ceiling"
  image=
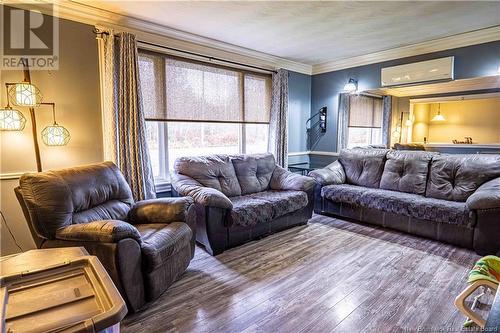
[{"x": 315, "y": 32}]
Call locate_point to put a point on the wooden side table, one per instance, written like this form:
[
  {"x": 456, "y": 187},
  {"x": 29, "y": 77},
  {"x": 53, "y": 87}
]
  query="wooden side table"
[{"x": 60, "y": 289}]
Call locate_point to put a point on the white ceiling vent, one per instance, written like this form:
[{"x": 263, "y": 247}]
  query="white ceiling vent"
[{"x": 418, "y": 72}]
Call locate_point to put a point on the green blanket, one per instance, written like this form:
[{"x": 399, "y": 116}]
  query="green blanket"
[{"x": 486, "y": 268}]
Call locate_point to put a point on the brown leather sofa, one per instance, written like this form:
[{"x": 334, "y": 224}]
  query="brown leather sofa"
[
  {"x": 447, "y": 197},
  {"x": 145, "y": 246},
  {"x": 239, "y": 198}
]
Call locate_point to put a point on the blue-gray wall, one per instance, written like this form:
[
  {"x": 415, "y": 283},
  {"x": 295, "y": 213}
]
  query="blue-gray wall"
[
  {"x": 299, "y": 110},
  {"x": 472, "y": 61},
  {"x": 307, "y": 94}
]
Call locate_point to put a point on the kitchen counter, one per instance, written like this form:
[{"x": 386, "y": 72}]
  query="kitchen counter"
[
  {"x": 463, "y": 145},
  {"x": 463, "y": 148}
]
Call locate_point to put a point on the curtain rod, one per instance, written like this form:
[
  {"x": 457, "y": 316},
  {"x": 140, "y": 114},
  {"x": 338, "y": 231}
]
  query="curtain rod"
[{"x": 99, "y": 32}]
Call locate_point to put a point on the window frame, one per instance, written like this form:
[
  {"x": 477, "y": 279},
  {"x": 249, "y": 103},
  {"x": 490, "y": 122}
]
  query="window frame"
[
  {"x": 370, "y": 128},
  {"x": 163, "y": 180}
]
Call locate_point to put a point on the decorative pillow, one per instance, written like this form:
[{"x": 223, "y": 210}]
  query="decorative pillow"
[
  {"x": 406, "y": 171},
  {"x": 254, "y": 171},
  {"x": 456, "y": 177},
  {"x": 215, "y": 171},
  {"x": 363, "y": 166}
]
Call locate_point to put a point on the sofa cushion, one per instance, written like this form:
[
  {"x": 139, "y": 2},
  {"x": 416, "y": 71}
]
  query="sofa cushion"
[
  {"x": 350, "y": 194},
  {"x": 284, "y": 202},
  {"x": 253, "y": 171},
  {"x": 265, "y": 206},
  {"x": 363, "y": 166},
  {"x": 215, "y": 171},
  {"x": 160, "y": 241},
  {"x": 406, "y": 171},
  {"x": 456, "y": 177},
  {"x": 417, "y": 206},
  {"x": 407, "y": 204},
  {"x": 249, "y": 210}
]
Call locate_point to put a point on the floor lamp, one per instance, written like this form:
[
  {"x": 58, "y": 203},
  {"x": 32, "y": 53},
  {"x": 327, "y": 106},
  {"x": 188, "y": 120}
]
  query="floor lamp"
[{"x": 26, "y": 94}]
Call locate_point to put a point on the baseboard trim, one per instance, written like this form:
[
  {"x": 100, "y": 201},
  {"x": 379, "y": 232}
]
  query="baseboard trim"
[
  {"x": 10, "y": 176},
  {"x": 324, "y": 153},
  {"x": 299, "y": 153},
  {"x": 313, "y": 152}
]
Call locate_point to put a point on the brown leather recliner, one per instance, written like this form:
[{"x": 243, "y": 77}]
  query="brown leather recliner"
[{"x": 145, "y": 246}]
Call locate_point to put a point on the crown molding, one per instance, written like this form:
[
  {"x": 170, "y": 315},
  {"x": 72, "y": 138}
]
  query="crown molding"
[
  {"x": 160, "y": 34},
  {"x": 451, "y": 42}
]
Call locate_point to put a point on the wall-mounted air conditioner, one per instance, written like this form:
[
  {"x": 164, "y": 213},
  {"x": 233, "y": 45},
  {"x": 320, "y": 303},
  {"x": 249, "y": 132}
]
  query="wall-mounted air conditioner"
[{"x": 418, "y": 72}]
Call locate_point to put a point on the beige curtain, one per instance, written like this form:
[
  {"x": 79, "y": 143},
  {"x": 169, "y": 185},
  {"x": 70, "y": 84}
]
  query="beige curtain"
[
  {"x": 124, "y": 136},
  {"x": 106, "y": 46}
]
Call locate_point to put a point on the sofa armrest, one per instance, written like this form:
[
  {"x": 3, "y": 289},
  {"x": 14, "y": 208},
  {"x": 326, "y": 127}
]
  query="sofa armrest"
[
  {"x": 163, "y": 210},
  {"x": 487, "y": 196},
  {"x": 206, "y": 196},
  {"x": 104, "y": 231},
  {"x": 286, "y": 180},
  {"x": 331, "y": 174}
]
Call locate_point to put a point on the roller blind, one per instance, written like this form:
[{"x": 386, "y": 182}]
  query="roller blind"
[
  {"x": 175, "y": 89},
  {"x": 365, "y": 111}
]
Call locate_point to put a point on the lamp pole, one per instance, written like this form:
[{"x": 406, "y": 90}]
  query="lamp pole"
[{"x": 27, "y": 78}]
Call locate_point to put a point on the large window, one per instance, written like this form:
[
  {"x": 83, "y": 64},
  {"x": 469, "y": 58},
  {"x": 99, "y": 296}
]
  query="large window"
[
  {"x": 365, "y": 121},
  {"x": 194, "y": 108}
]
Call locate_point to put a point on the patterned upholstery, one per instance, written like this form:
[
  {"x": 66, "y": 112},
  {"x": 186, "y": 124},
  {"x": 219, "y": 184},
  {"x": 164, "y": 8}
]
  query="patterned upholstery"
[
  {"x": 262, "y": 207},
  {"x": 345, "y": 193},
  {"x": 417, "y": 206},
  {"x": 406, "y": 204}
]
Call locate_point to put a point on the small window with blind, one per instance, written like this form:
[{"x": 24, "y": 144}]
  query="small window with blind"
[
  {"x": 365, "y": 121},
  {"x": 193, "y": 108}
]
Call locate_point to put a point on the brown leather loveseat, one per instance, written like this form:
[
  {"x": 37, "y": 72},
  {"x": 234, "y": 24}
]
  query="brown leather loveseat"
[{"x": 239, "y": 198}]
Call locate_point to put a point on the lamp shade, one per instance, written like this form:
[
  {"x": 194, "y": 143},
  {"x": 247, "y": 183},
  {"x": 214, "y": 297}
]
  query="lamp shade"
[
  {"x": 55, "y": 135},
  {"x": 438, "y": 117},
  {"x": 351, "y": 86},
  {"x": 11, "y": 120},
  {"x": 25, "y": 94}
]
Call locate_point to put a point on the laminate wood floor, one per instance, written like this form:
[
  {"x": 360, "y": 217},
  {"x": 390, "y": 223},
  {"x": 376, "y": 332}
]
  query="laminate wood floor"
[{"x": 328, "y": 276}]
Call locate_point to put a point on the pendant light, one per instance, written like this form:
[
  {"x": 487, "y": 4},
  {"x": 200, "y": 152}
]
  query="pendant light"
[
  {"x": 10, "y": 119},
  {"x": 25, "y": 94},
  {"x": 55, "y": 134},
  {"x": 438, "y": 116}
]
